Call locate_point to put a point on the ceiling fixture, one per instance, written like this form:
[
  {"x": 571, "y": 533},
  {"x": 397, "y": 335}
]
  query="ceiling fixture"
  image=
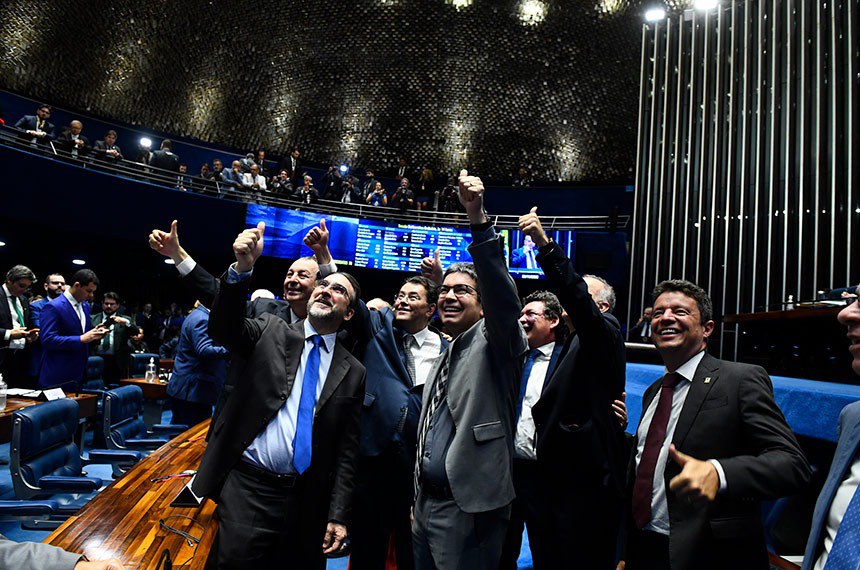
[
  {"x": 532, "y": 12},
  {"x": 79, "y": 262},
  {"x": 145, "y": 142},
  {"x": 706, "y": 4},
  {"x": 655, "y": 14}
]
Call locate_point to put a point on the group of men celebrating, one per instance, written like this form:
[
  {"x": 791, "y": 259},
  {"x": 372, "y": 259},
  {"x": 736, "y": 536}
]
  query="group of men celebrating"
[{"x": 507, "y": 416}]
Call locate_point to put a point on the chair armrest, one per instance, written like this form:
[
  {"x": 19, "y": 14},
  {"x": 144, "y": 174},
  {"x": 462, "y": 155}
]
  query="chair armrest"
[
  {"x": 28, "y": 508},
  {"x": 56, "y": 483},
  {"x": 110, "y": 456},
  {"x": 93, "y": 391},
  {"x": 178, "y": 428},
  {"x": 146, "y": 443}
]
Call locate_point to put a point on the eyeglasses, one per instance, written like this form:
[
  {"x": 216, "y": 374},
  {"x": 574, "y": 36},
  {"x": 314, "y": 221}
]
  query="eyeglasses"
[
  {"x": 336, "y": 287},
  {"x": 530, "y": 316},
  {"x": 414, "y": 297},
  {"x": 461, "y": 290}
]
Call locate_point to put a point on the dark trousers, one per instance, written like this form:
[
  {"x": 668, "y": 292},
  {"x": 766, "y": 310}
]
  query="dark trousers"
[
  {"x": 262, "y": 525},
  {"x": 525, "y": 512},
  {"x": 446, "y": 538},
  {"x": 381, "y": 503},
  {"x": 647, "y": 550},
  {"x": 189, "y": 413}
]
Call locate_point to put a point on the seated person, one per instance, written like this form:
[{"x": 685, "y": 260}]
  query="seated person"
[
  {"x": 307, "y": 193},
  {"x": 377, "y": 197},
  {"x": 253, "y": 181},
  {"x": 233, "y": 178},
  {"x": 106, "y": 149},
  {"x": 72, "y": 141},
  {"x": 36, "y": 127}
]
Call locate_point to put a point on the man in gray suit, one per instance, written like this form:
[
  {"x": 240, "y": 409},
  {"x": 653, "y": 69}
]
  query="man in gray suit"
[
  {"x": 465, "y": 438},
  {"x": 38, "y": 556}
]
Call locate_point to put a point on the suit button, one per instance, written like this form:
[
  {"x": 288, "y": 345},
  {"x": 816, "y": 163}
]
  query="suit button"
[{"x": 283, "y": 396}]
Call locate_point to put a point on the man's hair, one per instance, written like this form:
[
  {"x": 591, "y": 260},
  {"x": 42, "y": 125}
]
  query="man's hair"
[
  {"x": 20, "y": 272},
  {"x": 353, "y": 300},
  {"x": 552, "y": 310},
  {"x": 430, "y": 288},
  {"x": 606, "y": 293},
  {"x": 112, "y": 295},
  {"x": 468, "y": 269},
  {"x": 214, "y": 160},
  {"x": 166, "y": 144},
  {"x": 44, "y": 106},
  {"x": 183, "y": 164},
  {"x": 85, "y": 277},
  {"x": 706, "y": 308},
  {"x": 110, "y": 133},
  {"x": 48, "y": 277}
]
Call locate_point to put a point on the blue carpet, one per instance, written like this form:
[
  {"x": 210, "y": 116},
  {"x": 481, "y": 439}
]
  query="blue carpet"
[{"x": 13, "y": 531}]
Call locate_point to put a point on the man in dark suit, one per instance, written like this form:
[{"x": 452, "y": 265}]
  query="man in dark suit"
[
  {"x": 72, "y": 141},
  {"x": 15, "y": 341},
  {"x": 66, "y": 332},
  {"x": 399, "y": 349},
  {"x": 54, "y": 286},
  {"x": 232, "y": 179},
  {"x": 710, "y": 445},
  {"x": 114, "y": 347},
  {"x": 283, "y": 482},
  {"x": 164, "y": 158},
  {"x": 541, "y": 319},
  {"x": 466, "y": 427},
  {"x": 293, "y": 165},
  {"x": 581, "y": 449},
  {"x": 199, "y": 370},
  {"x": 525, "y": 257},
  {"x": 107, "y": 150},
  {"x": 36, "y": 127},
  {"x": 835, "y": 535}
]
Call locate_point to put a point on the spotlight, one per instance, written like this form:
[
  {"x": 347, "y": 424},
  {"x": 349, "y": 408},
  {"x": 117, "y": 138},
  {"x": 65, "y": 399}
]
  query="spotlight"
[
  {"x": 169, "y": 261},
  {"x": 2, "y": 243},
  {"x": 344, "y": 169},
  {"x": 706, "y": 4},
  {"x": 145, "y": 142},
  {"x": 79, "y": 262},
  {"x": 655, "y": 14}
]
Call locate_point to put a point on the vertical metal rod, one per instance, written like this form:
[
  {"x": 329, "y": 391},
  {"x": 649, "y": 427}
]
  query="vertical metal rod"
[
  {"x": 676, "y": 170},
  {"x": 704, "y": 144},
  {"x": 661, "y": 172},
  {"x": 715, "y": 137},
  {"x": 801, "y": 149},
  {"x": 761, "y": 35},
  {"x": 638, "y": 189},
  {"x": 833, "y": 153},
  {"x": 786, "y": 143},
  {"x": 816, "y": 151},
  {"x": 771, "y": 185},
  {"x": 651, "y": 142},
  {"x": 691, "y": 133},
  {"x": 849, "y": 133},
  {"x": 731, "y": 148}
]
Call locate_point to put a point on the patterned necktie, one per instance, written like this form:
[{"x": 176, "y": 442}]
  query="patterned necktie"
[
  {"x": 305, "y": 421},
  {"x": 845, "y": 552},
  {"x": 524, "y": 379},
  {"x": 440, "y": 391},
  {"x": 644, "y": 486},
  {"x": 408, "y": 357}
]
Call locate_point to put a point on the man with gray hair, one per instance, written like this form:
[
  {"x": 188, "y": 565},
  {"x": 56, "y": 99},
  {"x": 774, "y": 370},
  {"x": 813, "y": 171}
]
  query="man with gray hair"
[{"x": 14, "y": 323}]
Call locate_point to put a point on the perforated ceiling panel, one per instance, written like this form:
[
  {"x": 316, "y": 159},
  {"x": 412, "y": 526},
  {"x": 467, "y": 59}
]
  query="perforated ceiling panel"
[{"x": 551, "y": 85}]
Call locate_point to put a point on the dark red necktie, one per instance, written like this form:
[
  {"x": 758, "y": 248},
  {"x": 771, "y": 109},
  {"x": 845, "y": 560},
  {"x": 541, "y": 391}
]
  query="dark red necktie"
[{"x": 644, "y": 485}]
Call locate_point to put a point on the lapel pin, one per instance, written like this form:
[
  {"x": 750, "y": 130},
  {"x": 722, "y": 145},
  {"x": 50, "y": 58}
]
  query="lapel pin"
[{"x": 707, "y": 379}]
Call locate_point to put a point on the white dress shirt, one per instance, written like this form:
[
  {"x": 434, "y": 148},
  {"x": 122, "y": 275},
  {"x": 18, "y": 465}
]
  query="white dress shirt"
[
  {"x": 840, "y": 502},
  {"x": 78, "y": 309},
  {"x": 659, "y": 507},
  {"x": 14, "y": 307},
  {"x": 273, "y": 447},
  {"x": 425, "y": 351},
  {"x": 524, "y": 442}
]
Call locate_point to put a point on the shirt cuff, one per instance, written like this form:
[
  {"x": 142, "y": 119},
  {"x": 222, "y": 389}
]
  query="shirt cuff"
[
  {"x": 18, "y": 343},
  {"x": 7, "y": 334},
  {"x": 327, "y": 269},
  {"x": 234, "y": 276},
  {"x": 186, "y": 266},
  {"x": 721, "y": 474}
]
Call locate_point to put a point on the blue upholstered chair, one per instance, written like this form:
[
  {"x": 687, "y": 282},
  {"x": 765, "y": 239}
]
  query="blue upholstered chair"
[
  {"x": 139, "y": 360},
  {"x": 45, "y": 459},
  {"x": 123, "y": 427},
  {"x": 95, "y": 370},
  {"x": 34, "y": 515}
]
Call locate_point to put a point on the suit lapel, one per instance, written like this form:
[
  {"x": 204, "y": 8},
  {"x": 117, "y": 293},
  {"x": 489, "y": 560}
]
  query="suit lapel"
[
  {"x": 393, "y": 351},
  {"x": 709, "y": 367},
  {"x": 293, "y": 352},
  {"x": 842, "y": 461},
  {"x": 70, "y": 312},
  {"x": 5, "y": 312},
  {"x": 336, "y": 373},
  {"x": 561, "y": 349}
]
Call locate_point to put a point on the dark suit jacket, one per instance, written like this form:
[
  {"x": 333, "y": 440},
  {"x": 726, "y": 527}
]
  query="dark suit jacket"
[
  {"x": 578, "y": 438},
  {"x": 65, "y": 357},
  {"x": 843, "y": 459},
  {"x": 729, "y": 415},
  {"x": 66, "y": 142},
  {"x": 165, "y": 160},
  {"x": 8, "y": 321},
  {"x": 28, "y": 123},
  {"x": 271, "y": 351},
  {"x": 100, "y": 148},
  {"x": 200, "y": 365},
  {"x": 121, "y": 334}
]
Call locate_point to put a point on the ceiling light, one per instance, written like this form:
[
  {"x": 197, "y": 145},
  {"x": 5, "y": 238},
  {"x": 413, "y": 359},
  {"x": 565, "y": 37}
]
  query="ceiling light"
[
  {"x": 344, "y": 168},
  {"x": 706, "y": 4},
  {"x": 145, "y": 142},
  {"x": 532, "y": 12},
  {"x": 2, "y": 243},
  {"x": 460, "y": 4},
  {"x": 79, "y": 262},
  {"x": 655, "y": 14}
]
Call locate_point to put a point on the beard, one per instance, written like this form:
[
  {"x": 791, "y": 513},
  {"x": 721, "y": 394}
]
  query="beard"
[{"x": 324, "y": 313}]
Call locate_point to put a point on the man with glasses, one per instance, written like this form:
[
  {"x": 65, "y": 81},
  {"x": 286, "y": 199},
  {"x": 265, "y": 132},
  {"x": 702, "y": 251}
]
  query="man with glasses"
[
  {"x": 282, "y": 453},
  {"x": 400, "y": 349},
  {"x": 14, "y": 321},
  {"x": 37, "y": 129},
  {"x": 465, "y": 438}
]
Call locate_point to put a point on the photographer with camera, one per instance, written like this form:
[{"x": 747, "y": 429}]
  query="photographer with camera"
[
  {"x": 404, "y": 198},
  {"x": 378, "y": 196}
]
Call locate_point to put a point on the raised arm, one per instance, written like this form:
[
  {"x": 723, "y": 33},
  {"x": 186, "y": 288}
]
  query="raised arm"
[{"x": 200, "y": 282}]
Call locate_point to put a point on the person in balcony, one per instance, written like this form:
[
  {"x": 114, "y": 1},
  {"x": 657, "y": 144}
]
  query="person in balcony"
[
  {"x": 72, "y": 141},
  {"x": 377, "y": 197},
  {"x": 164, "y": 157},
  {"x": 106, "y": 150},
  {"x": 37, "y": 129},
  {"x": 307, "y": 193},
  {"x": 404, "y": 198},
  {"x": 253, "y": 181}
]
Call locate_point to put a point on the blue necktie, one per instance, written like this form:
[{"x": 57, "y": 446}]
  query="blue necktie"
[
  {"x": 845, "y": 553},
  {"x": 524, "y": 380},
  {"x": 305, "y": 420}
]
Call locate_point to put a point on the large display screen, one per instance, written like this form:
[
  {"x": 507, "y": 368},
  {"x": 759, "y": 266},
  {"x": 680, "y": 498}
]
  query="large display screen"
[{"x": 389, "y": 245}]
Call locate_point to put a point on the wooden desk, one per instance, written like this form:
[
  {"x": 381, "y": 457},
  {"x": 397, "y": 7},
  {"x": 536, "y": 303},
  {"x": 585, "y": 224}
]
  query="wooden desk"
[
  {"x": 166, "y": 364},
  {"x": 87, "y": 406},
  {"x": 151, "y": 390},
  {"x": 122, "y": 520}
]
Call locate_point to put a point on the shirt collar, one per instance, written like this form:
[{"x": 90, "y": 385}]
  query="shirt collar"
[
  {"x": 71, "y": 299},
  {"x": 688, "y": 369},
  {"x": 328, "y": 340},
  {"x": 547, "y": 349},
  {"x": 420, "y": 336}
]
